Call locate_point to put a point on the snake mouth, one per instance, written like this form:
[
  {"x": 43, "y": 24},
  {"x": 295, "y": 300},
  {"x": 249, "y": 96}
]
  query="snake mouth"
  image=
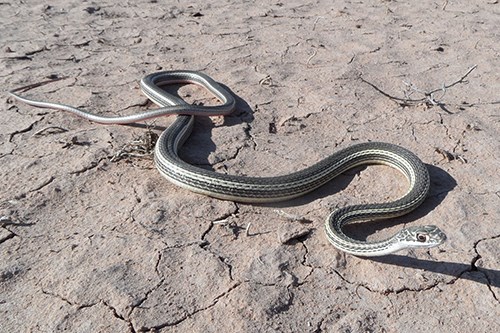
[
  {"x": 442, "y": 237},
  {"x": 437, "y": 235}
]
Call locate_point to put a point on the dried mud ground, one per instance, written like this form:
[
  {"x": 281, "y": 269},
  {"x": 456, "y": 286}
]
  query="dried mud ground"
[{"x": 93, "y": 239}]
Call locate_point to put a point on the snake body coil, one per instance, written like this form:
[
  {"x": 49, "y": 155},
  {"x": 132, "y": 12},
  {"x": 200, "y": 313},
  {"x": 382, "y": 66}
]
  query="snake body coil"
[{"x": 272, "y": 189}]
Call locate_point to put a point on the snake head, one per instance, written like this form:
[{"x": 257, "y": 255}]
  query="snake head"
[{"x": 421, "y": 237}]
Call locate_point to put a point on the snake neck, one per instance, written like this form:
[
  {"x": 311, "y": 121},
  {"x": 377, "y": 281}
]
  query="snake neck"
[{"x": 341, "y": 241}]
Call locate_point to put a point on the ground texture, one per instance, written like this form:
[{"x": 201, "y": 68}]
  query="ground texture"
[{"x": 93, "y": 239}]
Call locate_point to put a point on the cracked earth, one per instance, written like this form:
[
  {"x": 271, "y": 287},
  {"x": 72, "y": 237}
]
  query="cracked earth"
[{"x": 93, "y": 239}]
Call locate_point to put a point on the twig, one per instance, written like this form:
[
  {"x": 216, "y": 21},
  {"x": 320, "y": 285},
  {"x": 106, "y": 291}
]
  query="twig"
[
  {"x": 311, "y": 57},
  {"x": 267, "y": 81},
  {"x": 141, "y": 147},
  {"x": 428, "y": 96},
  {"x": 388, "y": 95},
  {"x": 291, "y": 217},
  {"x": 316, "y": 22},
  {"x": 461, "y": 80},
  {"x": 56, "y": 129},
  {"x": 38, "y": 84},
  {"x": 449, "y": 156},
  {"x": 221, "y": 222}
]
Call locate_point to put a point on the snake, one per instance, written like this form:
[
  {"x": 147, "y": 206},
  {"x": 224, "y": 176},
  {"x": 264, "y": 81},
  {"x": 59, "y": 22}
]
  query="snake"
[{"x": 259, "y": 190}]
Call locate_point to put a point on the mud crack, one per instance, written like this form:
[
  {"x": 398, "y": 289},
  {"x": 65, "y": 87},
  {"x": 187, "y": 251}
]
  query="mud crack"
[{"x": 191, "y": 314}]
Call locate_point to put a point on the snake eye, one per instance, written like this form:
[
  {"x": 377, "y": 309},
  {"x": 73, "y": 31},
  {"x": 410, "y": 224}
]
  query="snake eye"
[{"x": 422, "y": 238}]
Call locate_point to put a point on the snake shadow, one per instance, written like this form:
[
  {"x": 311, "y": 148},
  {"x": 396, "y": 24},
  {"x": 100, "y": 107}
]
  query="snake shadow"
[
  {"x": 490, "y": 277},
  {"x": 197, "y": 149},
  {"x": 200, "y": 145}
]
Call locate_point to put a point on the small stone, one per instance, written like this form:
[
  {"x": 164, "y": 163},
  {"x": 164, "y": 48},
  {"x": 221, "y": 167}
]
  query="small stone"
[{"x": 290, "y": 231}]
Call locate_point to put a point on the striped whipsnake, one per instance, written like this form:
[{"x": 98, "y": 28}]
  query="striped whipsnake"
[{"x": 273, "y": 189}]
